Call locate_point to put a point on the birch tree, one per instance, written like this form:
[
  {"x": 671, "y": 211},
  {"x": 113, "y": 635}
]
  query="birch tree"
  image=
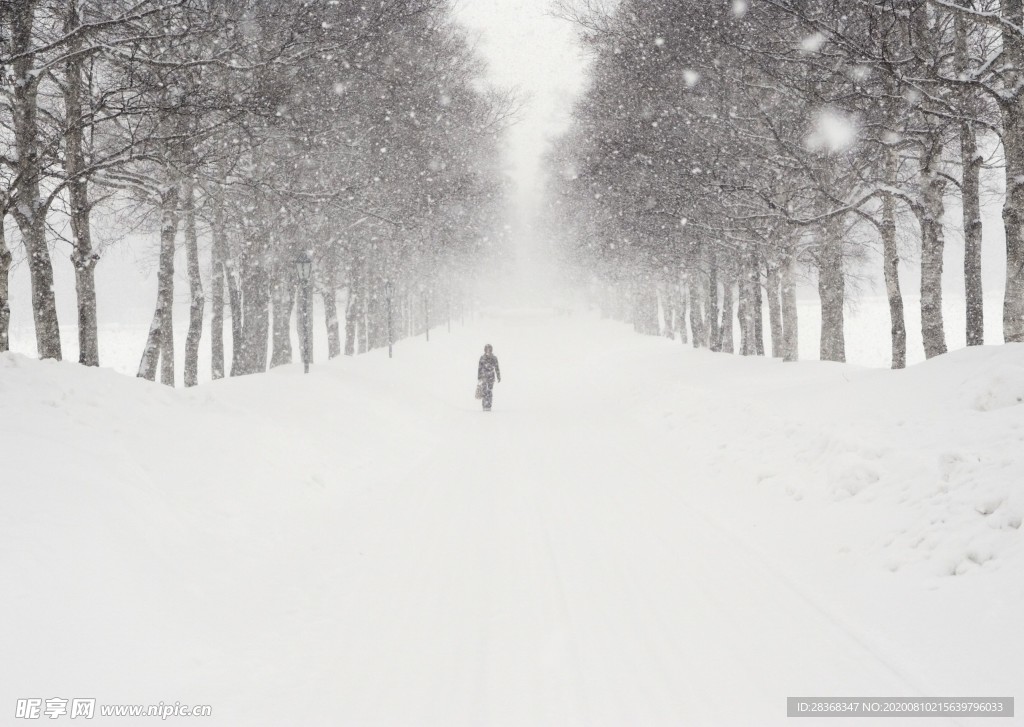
[{"x": 29, "y": 204}]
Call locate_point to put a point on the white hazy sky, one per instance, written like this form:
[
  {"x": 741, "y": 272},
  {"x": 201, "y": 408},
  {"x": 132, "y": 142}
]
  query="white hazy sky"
[{"x": 528, "y": 49}]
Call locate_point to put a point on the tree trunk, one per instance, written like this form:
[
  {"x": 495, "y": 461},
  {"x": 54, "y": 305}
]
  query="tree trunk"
[
  {"x": 755, "y": 291},
  {"x": 237, "y": 320},
  {"x": 5, "y": 306},
  {"x": 672, "y": 291},
  {"x": 29, "y": 211},
  {"x": 85, "y": 290},
  {"x": 255, "y": 286},
  {"x": 195, "y": 285},
  {"x": 1013, "y": 148},
  {"x": 160, "y": 342},
  {"x": 774, "y": 310},
  {"x": 929, "y": 208},
  {"x": 790, "y": 322},
  {"x": 330, "y": 296},
  {"x": 83, "y": 257},
  {"x": 351, "y": 308},
  {"x": 750, "y": 305},
  {"x": 832, "y": 291},
  {"x": 218, "y": 273},
  {"x": 364, "y": 321},
  {"x": 697, "y": 318},
  {"x": 167, "y": 309},
  {"x": 741, "y": 305},
  {"x": 1013, "y": 222},
  {"x": 970, "y": 183},
  {"x": 930, "y": 213},
  {"x": 890, "y": 270},
  {"x": 304, "y": 319},
  {"x": 283, "y": 301},
  {"x": 725, "y": 334},
  {"x": 972, "y": 235},
  {"x": 713, "y": 328},
  {"x": 407, "y": 316},
  {"x": 378, "y": 317},
  {"x": 668, "y": 309},
  {"x": 683, "y": 296}
]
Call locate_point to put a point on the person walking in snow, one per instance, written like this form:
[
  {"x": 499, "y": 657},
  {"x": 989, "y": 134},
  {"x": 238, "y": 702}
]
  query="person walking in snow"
[{"x": 487, "y": 372}]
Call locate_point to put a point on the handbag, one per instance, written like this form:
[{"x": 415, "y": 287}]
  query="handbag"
[{"x": 480, "y": 390}]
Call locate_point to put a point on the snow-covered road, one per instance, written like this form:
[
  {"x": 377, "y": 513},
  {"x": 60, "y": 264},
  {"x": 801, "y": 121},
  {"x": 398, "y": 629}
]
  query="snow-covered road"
[{"x": 638, "y": 534}]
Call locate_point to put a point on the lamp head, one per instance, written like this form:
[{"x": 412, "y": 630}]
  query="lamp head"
[{"x": 304, "y": 266}]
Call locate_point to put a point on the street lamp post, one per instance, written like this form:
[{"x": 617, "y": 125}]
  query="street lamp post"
[
  {"x": 389, "y": 289},
  {"x": 304, "y": 268}
]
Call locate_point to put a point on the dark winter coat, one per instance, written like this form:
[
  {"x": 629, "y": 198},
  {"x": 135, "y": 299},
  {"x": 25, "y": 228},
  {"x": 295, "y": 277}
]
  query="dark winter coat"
[{"x": 488, "y": 370}]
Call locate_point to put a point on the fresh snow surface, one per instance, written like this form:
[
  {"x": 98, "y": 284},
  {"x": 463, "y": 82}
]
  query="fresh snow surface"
[{"x": 638, "y": 534}]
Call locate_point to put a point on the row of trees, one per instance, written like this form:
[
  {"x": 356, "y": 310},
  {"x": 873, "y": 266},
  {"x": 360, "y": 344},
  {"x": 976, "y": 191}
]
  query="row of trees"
[
  {"x": 247, "y": 132},
  {"x": 724, "y": 144}
]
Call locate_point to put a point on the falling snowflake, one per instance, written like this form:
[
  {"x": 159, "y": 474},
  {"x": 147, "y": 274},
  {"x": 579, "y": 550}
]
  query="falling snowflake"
[
  {"x": 812, "y": 43},
  {"x": 833, "y": 131}
]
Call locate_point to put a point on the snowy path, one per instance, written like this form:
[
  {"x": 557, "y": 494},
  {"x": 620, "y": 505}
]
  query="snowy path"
[
  {"x": 548, "y": 582},
  {"x": 563, "y": 560}
]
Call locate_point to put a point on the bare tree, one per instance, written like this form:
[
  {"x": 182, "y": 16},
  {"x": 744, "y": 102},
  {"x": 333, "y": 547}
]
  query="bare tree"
[{"x": 29, "y": 204}]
